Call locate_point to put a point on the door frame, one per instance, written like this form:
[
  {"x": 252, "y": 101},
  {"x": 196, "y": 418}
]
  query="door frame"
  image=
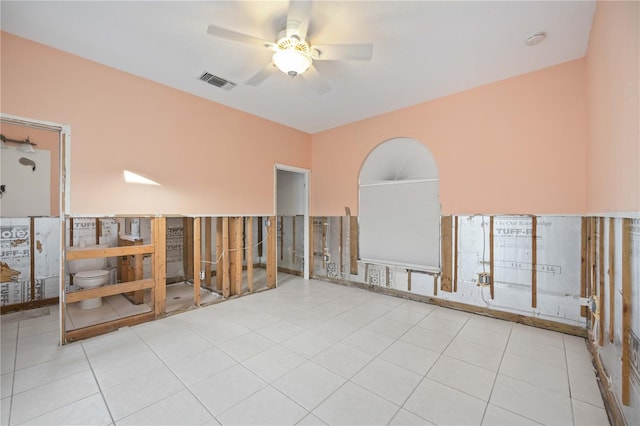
[
  {"x": 64, "y": 146},
  {"x": 306, "y": 174}
]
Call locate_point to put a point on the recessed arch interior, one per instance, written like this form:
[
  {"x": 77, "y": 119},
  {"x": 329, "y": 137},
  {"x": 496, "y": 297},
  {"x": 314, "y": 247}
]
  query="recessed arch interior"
[{"x": 399, "y": 208}]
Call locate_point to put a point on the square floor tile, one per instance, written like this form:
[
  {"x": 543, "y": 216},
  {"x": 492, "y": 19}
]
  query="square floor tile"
[
  {"x": 308, "y": 344},
  {"x": 245, "y": 346},
  {"x": 178, "y": 409},
  {"x": 440, "y": 325},
  {"x": 201, "y": 365},
  {"x": 5, "y": 409},
  {"x": 441, "y": 405},
  {"x": 407, "y": 316},
  {"x": 265, "y": 407},
  {"x": 482, "y": 356},
  {"x": 496, "y": 416},
  {"x": 465, "y": 377},
  {"x": 451, "y": 315},
  {"x": 388, "y": 327},
  {"x": 121, "y": 370},
  {"x": 141, "y": 391},
  {"x": 588, "y": 415},
  {"x": 52, "y": 396},
  {"x": 427, "y": 339},
  {"x": 280, "y": 330},
  {"x": 553, "y": 355},
  {"x": 387, "y": 380},
  {"x": 88, "y": 411},
  {"x": 409, "y": 356},
  {"x": 343, "y": 359},
  {"x": 225, "y": 389},
  {"x": 493, "y": 338},
  {"x": 335, "y": 329},
  {"x": 539, "y": 374},
  {"x": 354, "y": 405},
  {"x": 585, "y": 388},
  {"x": 273, "y": 363},
  {"x": 309, "y": 384},
  {"x": 368, "y": 341},
  {"x": 174, "y": 347},
  {"x": 531, "y": 402},
  {"x": 49, "y": 371}
]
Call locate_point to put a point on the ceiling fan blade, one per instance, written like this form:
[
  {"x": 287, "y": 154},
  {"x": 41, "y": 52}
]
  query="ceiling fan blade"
[
  {"x": 315, "y": 79},
  {"x": 261, "y": 75},
  {"x": 344, "y": 52},
  {"x": 235, "y": 36},
  {"x": 300, "y": 11}
]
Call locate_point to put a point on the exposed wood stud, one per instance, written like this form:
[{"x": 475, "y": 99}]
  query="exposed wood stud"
[
  {"x": 226, "y": 288},
  {"x": 534, "y": 262},
  {"x": 491, "y": 263},
  {"x": 110, "y": 290},
  {"x": 70, "y": 232},
  {"x": 293, "y": 239},
  {"x": 408, "y": 279},
  {"x": 435, "y": 285},
  {"x": 207, "y": 251},
  {"x": 281, "y": 237},
  {"x": 626, "y": 310},
  {"x": 612, "y": 281},
  {"x": 159, "y": 237},
  {"x": 446, "y": 284},
  {"x": 583, "y": 264},
  {"x": 325, "y": 224},
  {"x": 353, "y": 244},
  {"x": 593, "y": 256},
  {"x": 340, "y": 245},
  {"x": 32, "y": 258},
  {"x": 272, "y": 252},
  {"x": 98, "y": 230},
  {"x": 455, "y": 255},
  {"x": 312, "y": 255},
  {"x": 601, "y": 307},
  {"x": 249, "y": 245},
  {"x": 111, "y": 252},
  {"x": 260, "y": 237},
  {"x": 235, "y": 255},
  {"x": 187, "y": 246},
  {"x": 197, "y": 259},
  {"x": 219, "y": 254}
]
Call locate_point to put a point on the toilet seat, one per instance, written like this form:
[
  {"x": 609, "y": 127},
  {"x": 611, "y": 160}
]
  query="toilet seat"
[{"x": 92, "y": 274}]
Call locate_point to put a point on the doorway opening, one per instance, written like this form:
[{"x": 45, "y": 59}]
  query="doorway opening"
[{"x": 292, "y": 214}]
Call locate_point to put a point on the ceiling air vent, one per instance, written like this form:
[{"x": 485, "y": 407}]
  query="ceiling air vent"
[{"x": 217, "y": 81}]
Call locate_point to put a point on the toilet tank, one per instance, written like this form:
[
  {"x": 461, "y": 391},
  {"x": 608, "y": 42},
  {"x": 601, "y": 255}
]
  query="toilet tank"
[{"x": 80, "y": 265}]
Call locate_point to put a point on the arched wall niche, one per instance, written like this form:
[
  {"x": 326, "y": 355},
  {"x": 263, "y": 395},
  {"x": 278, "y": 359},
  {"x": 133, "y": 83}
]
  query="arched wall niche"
[{"x": 399, "y": 207}]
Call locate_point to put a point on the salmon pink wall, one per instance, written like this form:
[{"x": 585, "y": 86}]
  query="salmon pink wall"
[
  {"x": 208, "y": 158},
  {"x": 515, "y": 146},
  {"x": 613, "y": 76}
]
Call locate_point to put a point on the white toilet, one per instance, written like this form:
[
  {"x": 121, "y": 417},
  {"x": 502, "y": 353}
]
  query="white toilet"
[{"x": 89, "y": 273}]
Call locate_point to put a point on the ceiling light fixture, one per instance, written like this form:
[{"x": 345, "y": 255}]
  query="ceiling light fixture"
[
  {"x": 537, "y": 38},
  {"x": 292, "y": 61}
]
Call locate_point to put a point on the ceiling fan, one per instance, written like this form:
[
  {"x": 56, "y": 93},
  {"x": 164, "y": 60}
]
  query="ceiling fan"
[{"x": 293, "y": 54}]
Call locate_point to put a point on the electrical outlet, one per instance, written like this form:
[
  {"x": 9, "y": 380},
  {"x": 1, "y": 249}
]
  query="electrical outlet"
[
  {"x": 326, "y": 257},
  {"x": 202, "y": 275},
  {"x": 484, "y": 279}
]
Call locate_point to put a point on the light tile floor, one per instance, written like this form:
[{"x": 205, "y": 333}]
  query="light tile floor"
[{"x": 307, "y": 353}]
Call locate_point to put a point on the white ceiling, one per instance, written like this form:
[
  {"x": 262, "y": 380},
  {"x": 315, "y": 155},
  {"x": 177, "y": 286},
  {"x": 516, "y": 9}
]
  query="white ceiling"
[{"x": 422, "y": 50}]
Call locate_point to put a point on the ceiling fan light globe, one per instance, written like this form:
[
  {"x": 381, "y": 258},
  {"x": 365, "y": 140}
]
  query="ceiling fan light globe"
[{"x": 291, "y": 61}]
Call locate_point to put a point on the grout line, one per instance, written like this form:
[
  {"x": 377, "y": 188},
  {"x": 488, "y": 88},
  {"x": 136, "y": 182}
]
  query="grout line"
[
  {"x": 495, "y": 379},
  {"x": 106, "y": 404}
]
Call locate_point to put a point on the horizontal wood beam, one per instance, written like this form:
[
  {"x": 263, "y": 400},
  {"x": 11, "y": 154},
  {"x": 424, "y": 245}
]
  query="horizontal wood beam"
[
  {"x": 108, "y": 290},
  {"x": 106, "y": 327},
  {"x": 109, "y": 252}
]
